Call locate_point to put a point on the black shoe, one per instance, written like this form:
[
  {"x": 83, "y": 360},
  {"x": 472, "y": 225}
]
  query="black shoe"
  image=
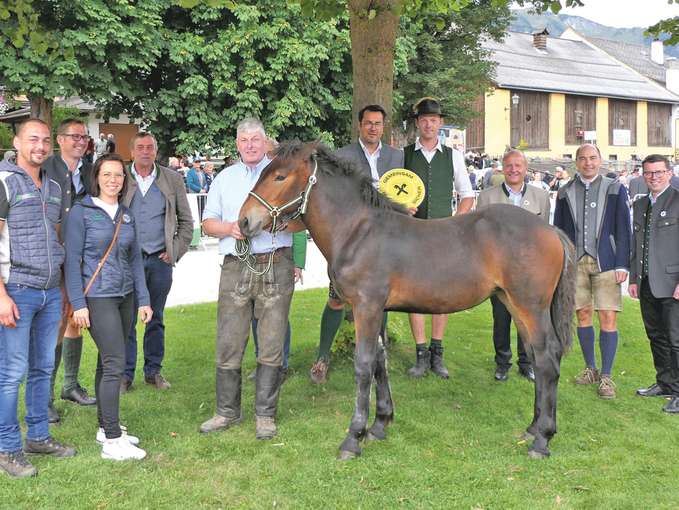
[
  {"x": 672, "y": 406},
  {"x": 437, "y": 365},
  {"x": 49, "y": 446},
  {"x": 422, "y": 364},
  {"x": 79, "y": 396},
  {"x": 528, "y": 373},
  {"x": 52, "y": 414},
  {"x": 502, "y": 374},
  {"x": 653, "y": 391}
]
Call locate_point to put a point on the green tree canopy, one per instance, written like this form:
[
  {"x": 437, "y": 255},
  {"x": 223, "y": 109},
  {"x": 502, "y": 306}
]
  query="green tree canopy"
[
  {"x": 221, "y": 63},
  {"x": 88, "y": 48}
]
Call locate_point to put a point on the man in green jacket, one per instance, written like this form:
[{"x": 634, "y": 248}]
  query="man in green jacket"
[{"x": 443, "y": 171}]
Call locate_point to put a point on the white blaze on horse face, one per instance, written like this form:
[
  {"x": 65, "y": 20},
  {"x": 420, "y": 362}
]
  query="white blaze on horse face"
[{"x": 251, "y": 146}]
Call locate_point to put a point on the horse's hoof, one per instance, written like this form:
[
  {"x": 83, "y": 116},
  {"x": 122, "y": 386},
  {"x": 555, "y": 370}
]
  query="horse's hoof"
[
  {"x": 347, "y": 455},
  {"x": 375, "y": 437},
  {"x": 535, "y": 454}
]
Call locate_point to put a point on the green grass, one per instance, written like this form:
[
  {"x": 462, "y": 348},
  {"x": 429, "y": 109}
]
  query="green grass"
[{"x": 454, "y": 444}]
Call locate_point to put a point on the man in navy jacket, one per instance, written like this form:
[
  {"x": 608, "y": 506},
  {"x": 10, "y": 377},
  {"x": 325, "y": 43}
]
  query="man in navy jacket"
[{"x": 593, "y": 211}]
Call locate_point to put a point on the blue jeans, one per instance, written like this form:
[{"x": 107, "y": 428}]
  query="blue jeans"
[
  {"x": 286, "y": 345},
  {"x": 158, "y": 281},
  {"x": 28, "y": 348}
]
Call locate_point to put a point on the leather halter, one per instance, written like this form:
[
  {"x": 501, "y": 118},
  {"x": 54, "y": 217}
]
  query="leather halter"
[{"x": 302, "y": 200}]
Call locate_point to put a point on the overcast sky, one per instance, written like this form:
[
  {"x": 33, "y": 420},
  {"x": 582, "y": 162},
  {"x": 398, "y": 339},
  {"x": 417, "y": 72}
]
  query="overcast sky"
[{"x": 625, "y": 13}]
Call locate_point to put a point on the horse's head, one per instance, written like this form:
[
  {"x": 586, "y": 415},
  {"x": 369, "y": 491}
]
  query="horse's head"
[{"x": 280, "y": 190}]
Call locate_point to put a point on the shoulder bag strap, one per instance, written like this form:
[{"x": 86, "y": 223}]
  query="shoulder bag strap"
[{"x": 103, "y": 259}]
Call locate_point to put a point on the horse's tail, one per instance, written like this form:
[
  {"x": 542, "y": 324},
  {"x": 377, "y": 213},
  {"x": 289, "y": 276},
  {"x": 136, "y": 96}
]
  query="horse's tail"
[{"x": 563, "y": 302}]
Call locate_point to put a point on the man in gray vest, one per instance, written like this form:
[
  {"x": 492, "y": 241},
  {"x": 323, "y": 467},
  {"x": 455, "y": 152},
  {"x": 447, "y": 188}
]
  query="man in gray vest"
[
  {"x": 593, "y": 210},
  {"x": 72, "y": 172},
  {"x": 654, "y": 276},
  {"x": 374, "y": 158},
  {"x": 157, "y": 197},
  {"x": 30, "y": 299}
]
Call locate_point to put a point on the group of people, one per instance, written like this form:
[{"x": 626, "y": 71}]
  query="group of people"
[
  {"x": 117, "y": 232},
  {"x": 107, "y": 236}
]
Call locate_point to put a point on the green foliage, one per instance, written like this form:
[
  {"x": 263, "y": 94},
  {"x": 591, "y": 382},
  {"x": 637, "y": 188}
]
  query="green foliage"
[
  {"x": 6, "y": 137},
  {"x": 668, "y": 26},
  {"x": 91, "y": 48},
  {"x": 263, "y": 59},
  {"x": 59, "y": 114},
  {"x": 448, "y": 63}
]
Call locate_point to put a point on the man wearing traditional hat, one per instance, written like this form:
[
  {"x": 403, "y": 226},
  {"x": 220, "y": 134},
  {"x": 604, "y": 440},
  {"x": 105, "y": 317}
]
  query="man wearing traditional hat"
[
  {"x": 374, "y": 159},
  {"x": 443, "y": 171}
]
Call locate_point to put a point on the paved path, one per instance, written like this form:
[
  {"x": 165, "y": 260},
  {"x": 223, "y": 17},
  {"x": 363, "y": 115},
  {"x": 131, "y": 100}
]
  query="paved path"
[{"x": 196, "y": 277}]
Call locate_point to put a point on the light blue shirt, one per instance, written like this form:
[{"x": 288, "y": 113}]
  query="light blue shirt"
[
  {"x": 75, "y": 176},
  {"x": 513, "y": 195},
  {"x": 227, "y": 195}
]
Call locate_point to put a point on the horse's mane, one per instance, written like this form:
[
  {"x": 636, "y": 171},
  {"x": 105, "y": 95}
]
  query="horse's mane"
[{"x": 330, "y": 164}]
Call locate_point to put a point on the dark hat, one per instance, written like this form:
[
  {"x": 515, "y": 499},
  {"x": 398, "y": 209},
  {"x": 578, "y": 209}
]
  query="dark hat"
[{"x": 427, "y": 106}]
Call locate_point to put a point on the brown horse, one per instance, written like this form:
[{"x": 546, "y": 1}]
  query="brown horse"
[{"x": 379, "y": 258}]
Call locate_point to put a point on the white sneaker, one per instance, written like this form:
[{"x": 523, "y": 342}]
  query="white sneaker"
[
  {"x": 121, "y": 449},
  {"x": 101, "y": 436}
]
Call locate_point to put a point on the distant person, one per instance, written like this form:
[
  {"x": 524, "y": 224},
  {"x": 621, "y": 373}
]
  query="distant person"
[
  {"x": 100, "y": 146},
  {"x": 195, "y": 178},
  {"x": 111, "y": 144},
  {"x": 538, "y": 182}
]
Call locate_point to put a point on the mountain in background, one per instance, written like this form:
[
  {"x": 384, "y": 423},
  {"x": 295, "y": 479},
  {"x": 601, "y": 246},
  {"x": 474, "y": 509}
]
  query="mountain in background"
[{"x": 527, "y": 22}]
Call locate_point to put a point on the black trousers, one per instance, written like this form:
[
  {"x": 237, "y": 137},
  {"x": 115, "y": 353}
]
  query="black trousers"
[
  {"x": 502, "y": 324},
  {"x": 110, "y": 322},
  {"x": 661, "y": 320}
]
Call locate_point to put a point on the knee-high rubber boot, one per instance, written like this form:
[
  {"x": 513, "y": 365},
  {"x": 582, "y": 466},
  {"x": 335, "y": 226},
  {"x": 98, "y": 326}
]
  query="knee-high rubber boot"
[
  {"x": 267, "y": 390},
  {"x": 228, "y": 388}
]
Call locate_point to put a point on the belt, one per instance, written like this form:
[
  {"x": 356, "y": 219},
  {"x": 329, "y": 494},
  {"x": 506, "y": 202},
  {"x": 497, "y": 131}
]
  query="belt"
[{"x": 263, "y": 258}]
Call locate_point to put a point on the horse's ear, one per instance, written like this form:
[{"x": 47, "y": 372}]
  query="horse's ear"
[{"x": 313, "y": 148}]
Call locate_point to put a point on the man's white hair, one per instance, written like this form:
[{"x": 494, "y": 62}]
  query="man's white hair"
[{"x": 250, "y": 124}]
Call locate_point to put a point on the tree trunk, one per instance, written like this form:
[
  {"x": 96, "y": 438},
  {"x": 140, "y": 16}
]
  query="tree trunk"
[
  {"x": 41, "y": 108},
  {"x": 373, "y": 44}
]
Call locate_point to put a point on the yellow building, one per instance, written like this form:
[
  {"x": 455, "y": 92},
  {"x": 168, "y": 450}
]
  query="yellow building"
[{"x": 552, "y": 94}]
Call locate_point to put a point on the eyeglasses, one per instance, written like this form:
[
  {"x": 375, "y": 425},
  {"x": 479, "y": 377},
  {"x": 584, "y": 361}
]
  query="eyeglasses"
[
  {"x": 76, "y": 137},
  {"x": 653, "y": 175},
  {"x": 372, "y": 124},
  {"x": 109, "y": 176}
]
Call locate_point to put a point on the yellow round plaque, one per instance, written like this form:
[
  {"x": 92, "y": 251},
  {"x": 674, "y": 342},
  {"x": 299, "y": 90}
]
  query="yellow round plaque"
[{"x": 403, "y": 186}]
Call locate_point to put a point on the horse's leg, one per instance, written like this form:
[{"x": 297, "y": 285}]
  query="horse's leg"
[
  {"x": 546, "y": 364},
  {"x": 384, "y": 407},
  {"x": 367, "y": 320}
]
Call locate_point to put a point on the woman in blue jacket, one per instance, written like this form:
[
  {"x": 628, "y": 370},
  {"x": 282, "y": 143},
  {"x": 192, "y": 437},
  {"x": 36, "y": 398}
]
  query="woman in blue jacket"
[{"x": 107, "y": 308}]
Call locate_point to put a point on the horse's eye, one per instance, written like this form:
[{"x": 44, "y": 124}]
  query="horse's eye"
[{"x": 280, "y": 178}]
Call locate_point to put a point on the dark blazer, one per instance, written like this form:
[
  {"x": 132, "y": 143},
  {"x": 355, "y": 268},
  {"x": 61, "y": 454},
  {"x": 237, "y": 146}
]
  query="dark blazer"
[
  {"x": 614, "y": 235},
  {"x": 637, "y": 186},
  {"x": 535, "y": 200},
  {"x": 57, "y": 170},
  {"x": 178, "y": 217},
  {"x": 389, "y": 159},
  {"x": 663, "y": 255}
]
